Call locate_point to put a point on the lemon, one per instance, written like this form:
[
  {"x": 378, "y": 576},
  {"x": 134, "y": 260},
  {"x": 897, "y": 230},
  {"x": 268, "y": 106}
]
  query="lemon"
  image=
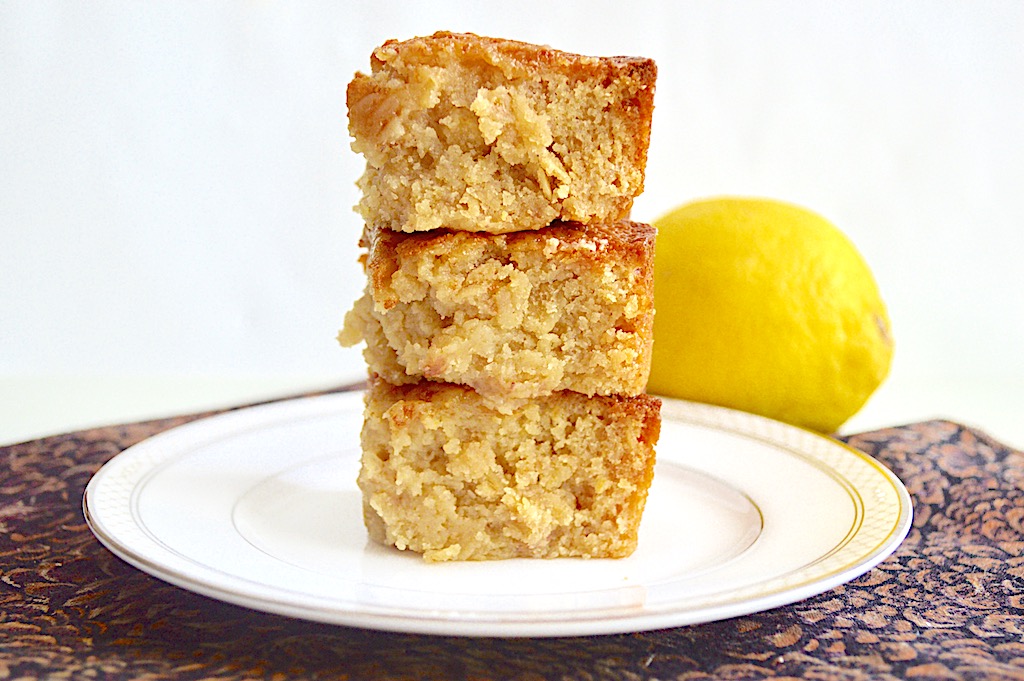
[{"x": 768, "y": 308}]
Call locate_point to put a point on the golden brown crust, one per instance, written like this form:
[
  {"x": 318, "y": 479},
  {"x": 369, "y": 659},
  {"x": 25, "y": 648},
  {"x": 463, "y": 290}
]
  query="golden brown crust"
[
  {"x": 515, "y": 58},
  {"x": 644, "y": 407}
]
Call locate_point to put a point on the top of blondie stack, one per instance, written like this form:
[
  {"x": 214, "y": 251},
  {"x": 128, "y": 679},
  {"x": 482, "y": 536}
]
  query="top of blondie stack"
[
  {"x": 482, "y": 134},
  {"x": 515, "y": 59}
]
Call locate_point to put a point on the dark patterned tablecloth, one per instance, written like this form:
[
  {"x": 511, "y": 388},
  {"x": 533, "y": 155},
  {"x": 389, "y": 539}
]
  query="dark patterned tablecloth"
[{"x": 949, "y": 604}]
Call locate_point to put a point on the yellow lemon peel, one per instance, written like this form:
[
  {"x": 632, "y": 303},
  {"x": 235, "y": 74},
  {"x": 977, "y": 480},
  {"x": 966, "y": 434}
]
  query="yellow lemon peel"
[{"x": 766, "y": 307}]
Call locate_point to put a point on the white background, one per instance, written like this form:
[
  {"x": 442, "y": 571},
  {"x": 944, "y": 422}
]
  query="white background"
[{"x": 176, "y": 182}]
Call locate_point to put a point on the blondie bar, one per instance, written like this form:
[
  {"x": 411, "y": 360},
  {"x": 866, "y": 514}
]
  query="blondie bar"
[
  {"x": 482, "y": 134},
  {"x": 521, "y": 314},
  {"x": 445, "y": 475}
]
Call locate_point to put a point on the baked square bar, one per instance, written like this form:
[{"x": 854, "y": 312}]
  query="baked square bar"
[
  {"x": 522, "y": 314},
  {"x": 482, "y": 134},
  {"x": 445, "y": 475}
]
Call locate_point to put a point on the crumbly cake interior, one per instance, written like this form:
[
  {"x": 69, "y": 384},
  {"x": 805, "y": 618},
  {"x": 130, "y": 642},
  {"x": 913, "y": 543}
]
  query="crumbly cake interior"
[
  {"x": 482, "y": 134},
  {"x": 567, "y": 307},
  {"x": 445, "y": 475}
]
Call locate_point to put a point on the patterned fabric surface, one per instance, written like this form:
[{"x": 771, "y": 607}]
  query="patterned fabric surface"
[{"x": 949, "y": 604}]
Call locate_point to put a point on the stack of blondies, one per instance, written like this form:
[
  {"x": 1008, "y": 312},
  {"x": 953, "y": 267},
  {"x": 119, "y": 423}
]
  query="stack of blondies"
[{"x": 509, "y": 308}]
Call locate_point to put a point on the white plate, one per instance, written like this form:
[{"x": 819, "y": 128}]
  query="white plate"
[{"x": 259, "y": 507}]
